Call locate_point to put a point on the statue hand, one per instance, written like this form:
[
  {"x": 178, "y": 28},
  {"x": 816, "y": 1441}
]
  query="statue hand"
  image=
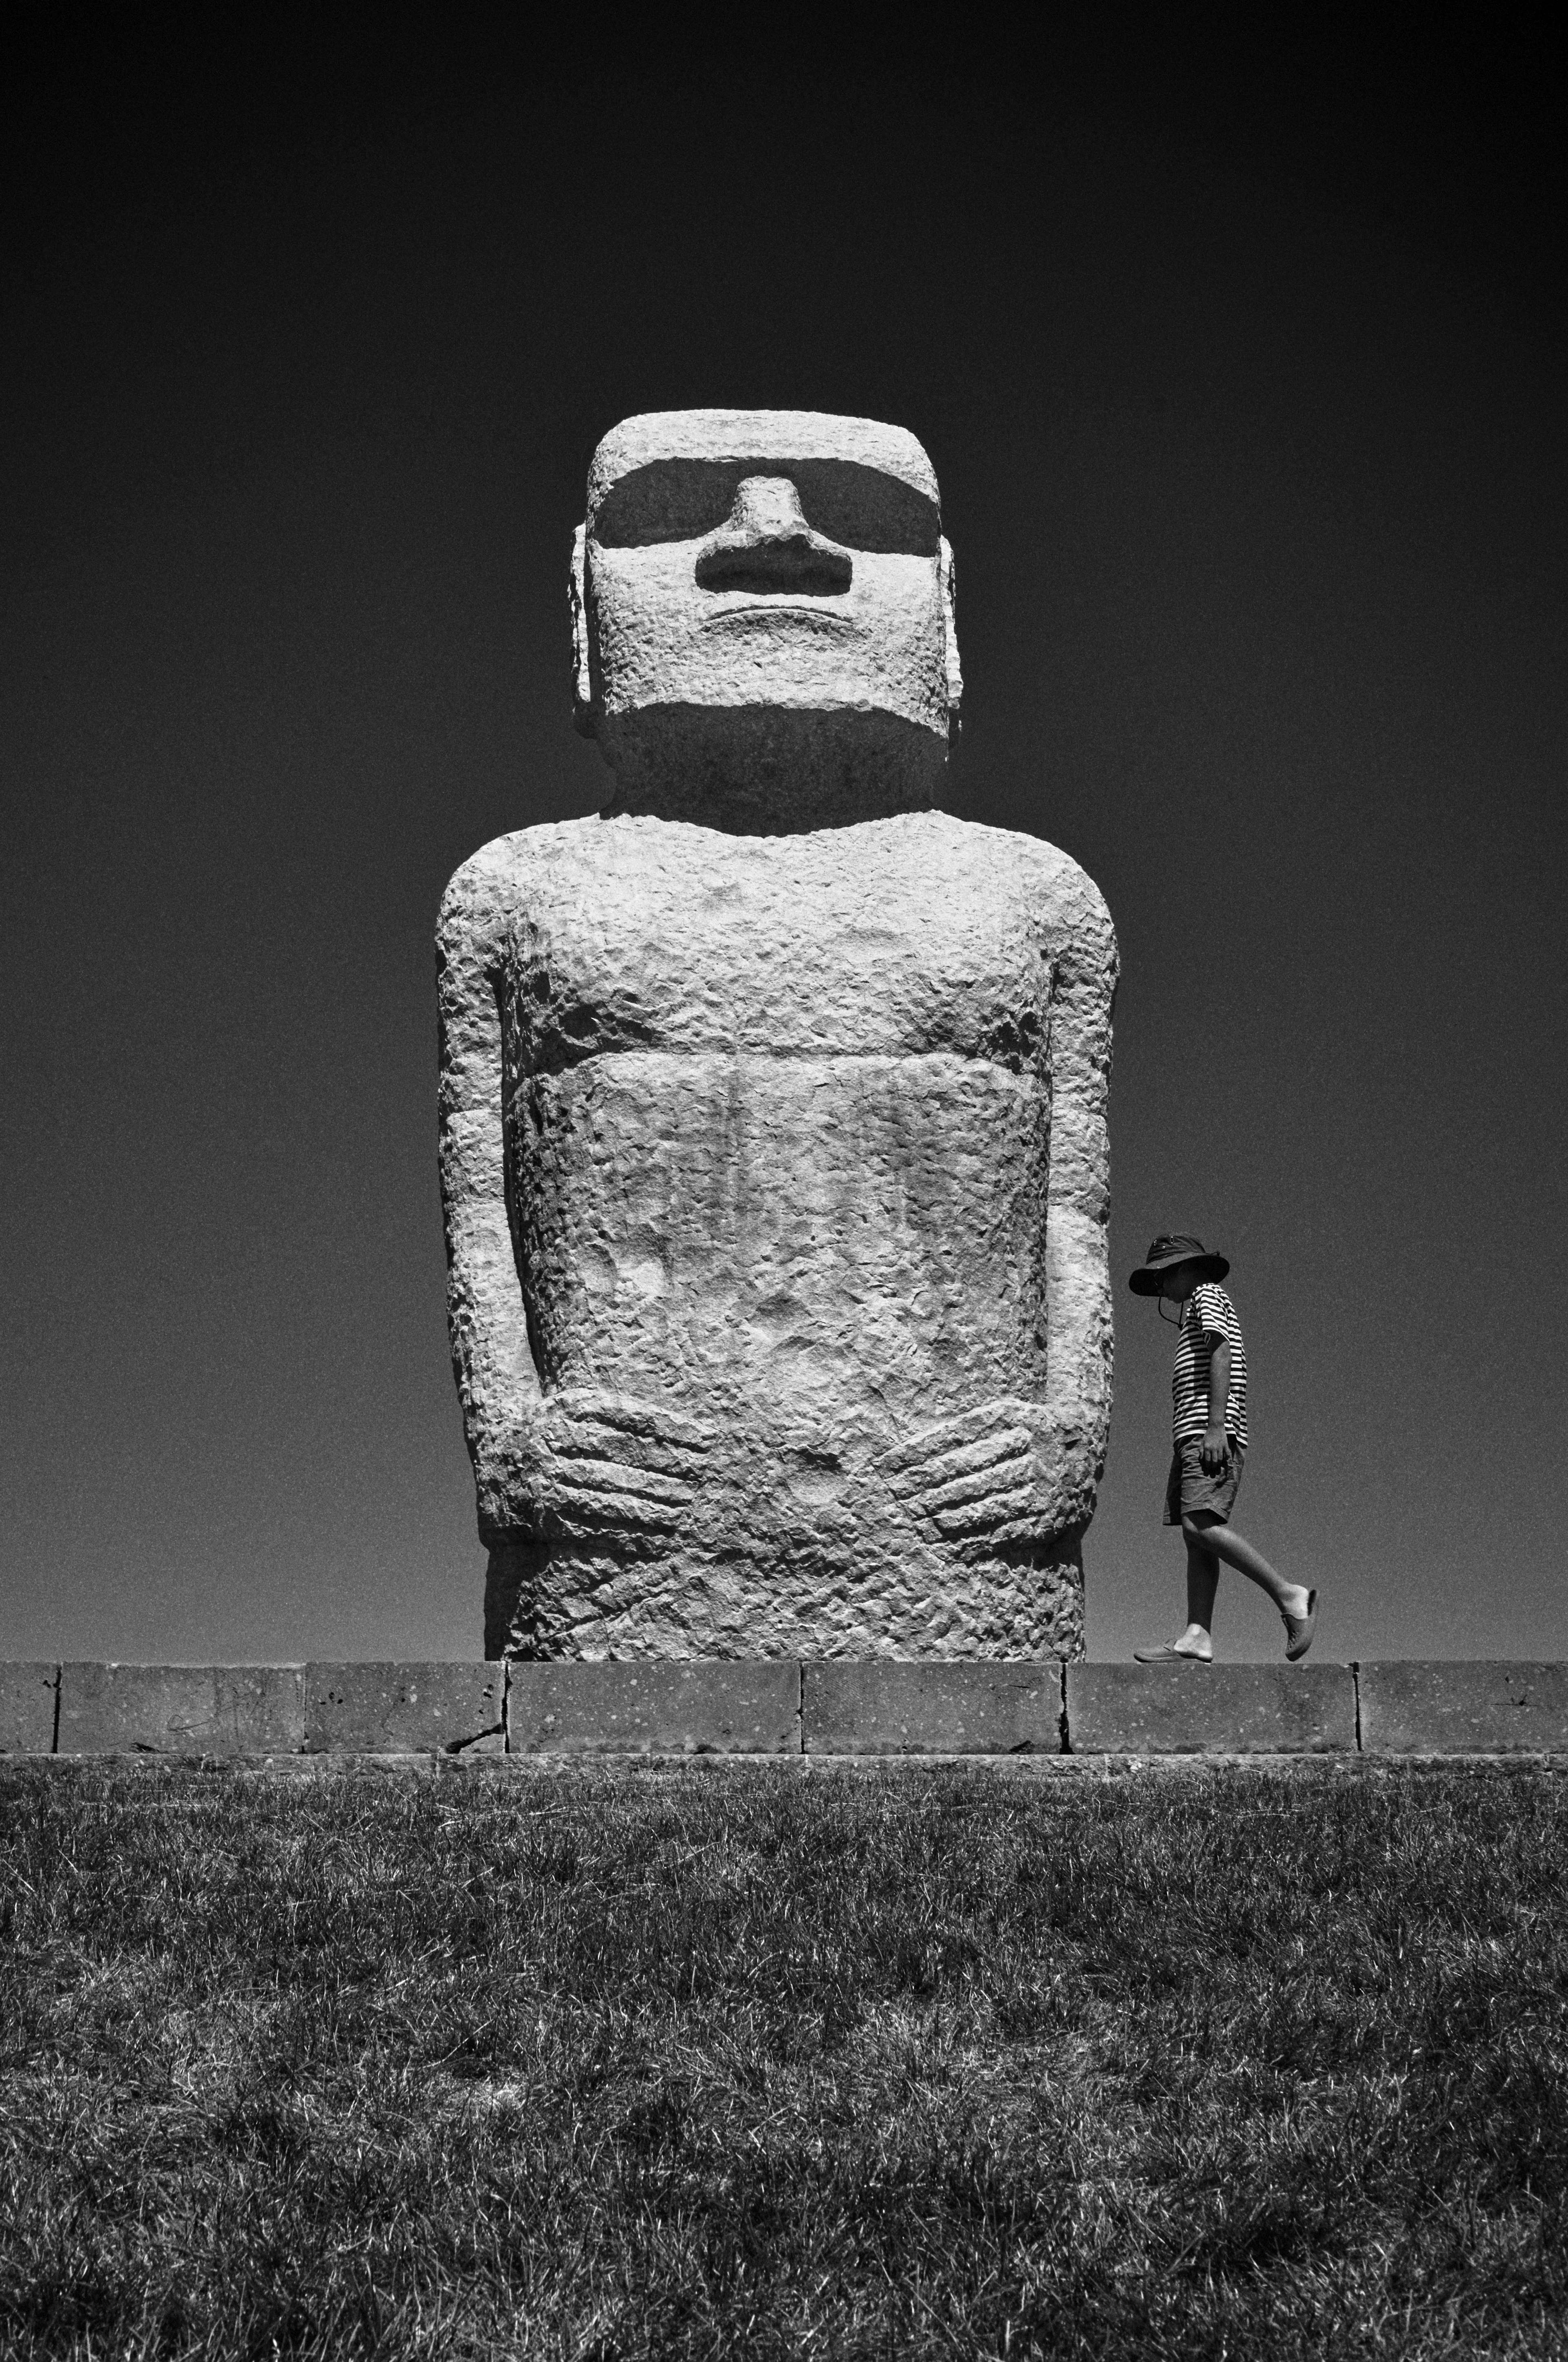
[
  {"x": 1005, "y": 1472},
  {"x": 601, "y": 1464}
]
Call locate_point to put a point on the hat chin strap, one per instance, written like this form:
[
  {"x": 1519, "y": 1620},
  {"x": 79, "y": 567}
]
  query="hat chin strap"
[{"x": 1174, "y": 1322}]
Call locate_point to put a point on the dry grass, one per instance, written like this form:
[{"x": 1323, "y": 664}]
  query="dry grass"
[{"x": 1245, "y": 2064}]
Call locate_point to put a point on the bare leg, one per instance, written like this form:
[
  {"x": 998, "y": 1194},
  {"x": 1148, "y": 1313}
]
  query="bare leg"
[
  {"x": 1212, "y": 1536},
  {"x": 1202, "y": 1582}
]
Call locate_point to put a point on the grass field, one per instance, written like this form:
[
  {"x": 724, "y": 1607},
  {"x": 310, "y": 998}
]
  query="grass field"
[{"x": 1212, "y": 2062}]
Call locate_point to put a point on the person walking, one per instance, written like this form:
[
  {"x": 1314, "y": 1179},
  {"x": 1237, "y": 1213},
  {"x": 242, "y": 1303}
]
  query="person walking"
[{"x": 1209, "y": 1436}]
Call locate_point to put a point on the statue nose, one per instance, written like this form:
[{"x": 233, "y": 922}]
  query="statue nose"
[{"x": 766, "y": 546}]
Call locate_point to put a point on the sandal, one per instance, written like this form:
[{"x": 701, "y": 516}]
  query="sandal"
[{"x": 1298, "y": 1629}]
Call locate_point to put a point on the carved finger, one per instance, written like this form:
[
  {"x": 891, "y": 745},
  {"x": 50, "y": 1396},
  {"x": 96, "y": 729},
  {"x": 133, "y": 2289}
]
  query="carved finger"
[
  {"x": 975, "y": 1430},
  {"x": 976, "y": 1517},
  {"x": 573, "y": 1509},
  {"x": 1024, "y": 1529},
  {"x": 983, "y": 1459},
  {"x": 997, "y": 1481},
  {"x": 912, "y": 1455},
  {"x": 586, "y": 1437},
  {"x": 609, "y": 1476},
  {"x": 592, "y": 1521},
  {"x": 654, "y": 1422},
  {"x": 941, "y": 1435}
]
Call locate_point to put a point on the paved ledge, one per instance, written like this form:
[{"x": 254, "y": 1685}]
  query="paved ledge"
[
  {"x": 714, "y": 1708},
  {"x": 1211, "y": 1709},
  {"x": 831, "y": 1713},
  {"x": 29, "y": 1695},
  {"x": 181, "y": 1709},
  {"x": 1458, "y": 1708},
  {"x": 880, "y": 1706},
  {"x": 404, "y": 1709}
]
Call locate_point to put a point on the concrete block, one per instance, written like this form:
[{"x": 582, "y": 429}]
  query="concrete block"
[
  {"x": 27, "y": 1693},
  {"x": 1211, "y": 1709},
  {"x": 386, "y": 1709},
  {"x": 1459, "y": 1708},
  {"x": 873, "y": 1706},
  {"x": 718, "y": 1708},
  {"x": 181, "y": 1709}
]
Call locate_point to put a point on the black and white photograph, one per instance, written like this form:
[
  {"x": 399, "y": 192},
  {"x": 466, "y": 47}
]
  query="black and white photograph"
[{"x": 784, "y": 1446}]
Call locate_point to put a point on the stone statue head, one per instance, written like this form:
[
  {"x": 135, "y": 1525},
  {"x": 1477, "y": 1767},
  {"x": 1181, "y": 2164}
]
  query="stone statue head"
[{"x": 763, "y": 619}]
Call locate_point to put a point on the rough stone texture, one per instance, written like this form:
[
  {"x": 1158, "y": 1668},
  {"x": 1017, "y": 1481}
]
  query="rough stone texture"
[
  {"x": 1424, "y": 1708},
  {"x": 181, "y": 1709},
  {"x": 774, "y": 1151},
  {"x": 762, "y": 610},
  {"x": 28, "y": 1694},
  {"x": 404, "y": 1709},
  {"x": 1211, "y": 1710},
  {"x": 663, "y": 455},
  {"x": 617, "y": 1709},
  {"x": 879, "y": 1708}
]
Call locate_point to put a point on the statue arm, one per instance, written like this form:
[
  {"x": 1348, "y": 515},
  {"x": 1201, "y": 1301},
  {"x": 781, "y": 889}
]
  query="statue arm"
[
  {"x": 577, "y": 1461},
  {"x": 1014, "y": 1470},
  {"x": 1079, "y": 1325},
  {"x": 497, "y": 1383}
]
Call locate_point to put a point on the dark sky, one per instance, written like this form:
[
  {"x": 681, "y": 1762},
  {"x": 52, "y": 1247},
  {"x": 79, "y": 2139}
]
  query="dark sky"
[{"x": 1243, "y": 379}]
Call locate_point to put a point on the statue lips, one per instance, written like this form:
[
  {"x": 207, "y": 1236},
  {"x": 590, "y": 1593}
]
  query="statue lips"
[{"x": 750, "y": 610}]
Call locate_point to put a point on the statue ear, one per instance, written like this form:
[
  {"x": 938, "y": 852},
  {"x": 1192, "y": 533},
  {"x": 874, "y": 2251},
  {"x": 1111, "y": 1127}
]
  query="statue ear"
[
  {"x": 582, "y": 691},
  {"x": 950, "y": 633}
]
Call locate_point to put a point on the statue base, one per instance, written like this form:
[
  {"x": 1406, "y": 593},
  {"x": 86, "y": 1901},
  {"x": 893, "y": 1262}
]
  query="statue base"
[{"x": 565, "y": 1600}]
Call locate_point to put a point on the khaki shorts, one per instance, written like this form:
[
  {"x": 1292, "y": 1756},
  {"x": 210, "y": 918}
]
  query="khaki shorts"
[{"x": 1189, "y": 1488}]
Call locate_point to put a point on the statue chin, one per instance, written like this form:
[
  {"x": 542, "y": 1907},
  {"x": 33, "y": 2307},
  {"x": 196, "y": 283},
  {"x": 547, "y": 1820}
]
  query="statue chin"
[{"x": 768, "y": 770}]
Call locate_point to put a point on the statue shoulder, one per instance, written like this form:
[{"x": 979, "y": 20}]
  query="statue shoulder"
[
  {"x": 498, "y": 882},
  {"x": 1072, "y": 899},
  {"x": 1059, "y": 895}
]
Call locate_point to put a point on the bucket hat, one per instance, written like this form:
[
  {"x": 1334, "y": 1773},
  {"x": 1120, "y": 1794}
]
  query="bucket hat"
[{"x": 1170, "y": 1249}]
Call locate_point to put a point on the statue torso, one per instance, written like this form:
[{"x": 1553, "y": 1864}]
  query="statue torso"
[{"x": 778, "y": 1115}]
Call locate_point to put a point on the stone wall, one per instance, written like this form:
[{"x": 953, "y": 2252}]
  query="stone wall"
[{"x": 780, "y": 1707}]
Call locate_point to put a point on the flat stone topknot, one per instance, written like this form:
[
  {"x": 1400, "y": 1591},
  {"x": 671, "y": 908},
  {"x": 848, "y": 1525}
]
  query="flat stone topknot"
[{"x": 763, "y": 436}]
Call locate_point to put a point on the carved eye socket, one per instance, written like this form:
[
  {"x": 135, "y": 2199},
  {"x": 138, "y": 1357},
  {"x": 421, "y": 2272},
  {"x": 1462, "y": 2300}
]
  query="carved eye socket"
[{"x": 685, "y": 499}]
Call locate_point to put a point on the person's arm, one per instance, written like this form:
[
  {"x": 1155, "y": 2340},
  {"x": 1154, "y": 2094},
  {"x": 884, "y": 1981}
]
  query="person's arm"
[{"x": 1214, "y": 1451}]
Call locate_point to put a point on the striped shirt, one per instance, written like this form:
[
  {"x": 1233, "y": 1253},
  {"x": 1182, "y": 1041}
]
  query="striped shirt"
[{"x": 1210, "y": 1315}]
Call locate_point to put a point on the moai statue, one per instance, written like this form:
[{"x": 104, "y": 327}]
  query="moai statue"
[{"x": 773, "y": 1103}]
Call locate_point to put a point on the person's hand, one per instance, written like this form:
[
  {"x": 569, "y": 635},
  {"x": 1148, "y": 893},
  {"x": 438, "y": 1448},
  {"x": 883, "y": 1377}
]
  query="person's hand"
[{"x": 1214, "y": 1452}]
